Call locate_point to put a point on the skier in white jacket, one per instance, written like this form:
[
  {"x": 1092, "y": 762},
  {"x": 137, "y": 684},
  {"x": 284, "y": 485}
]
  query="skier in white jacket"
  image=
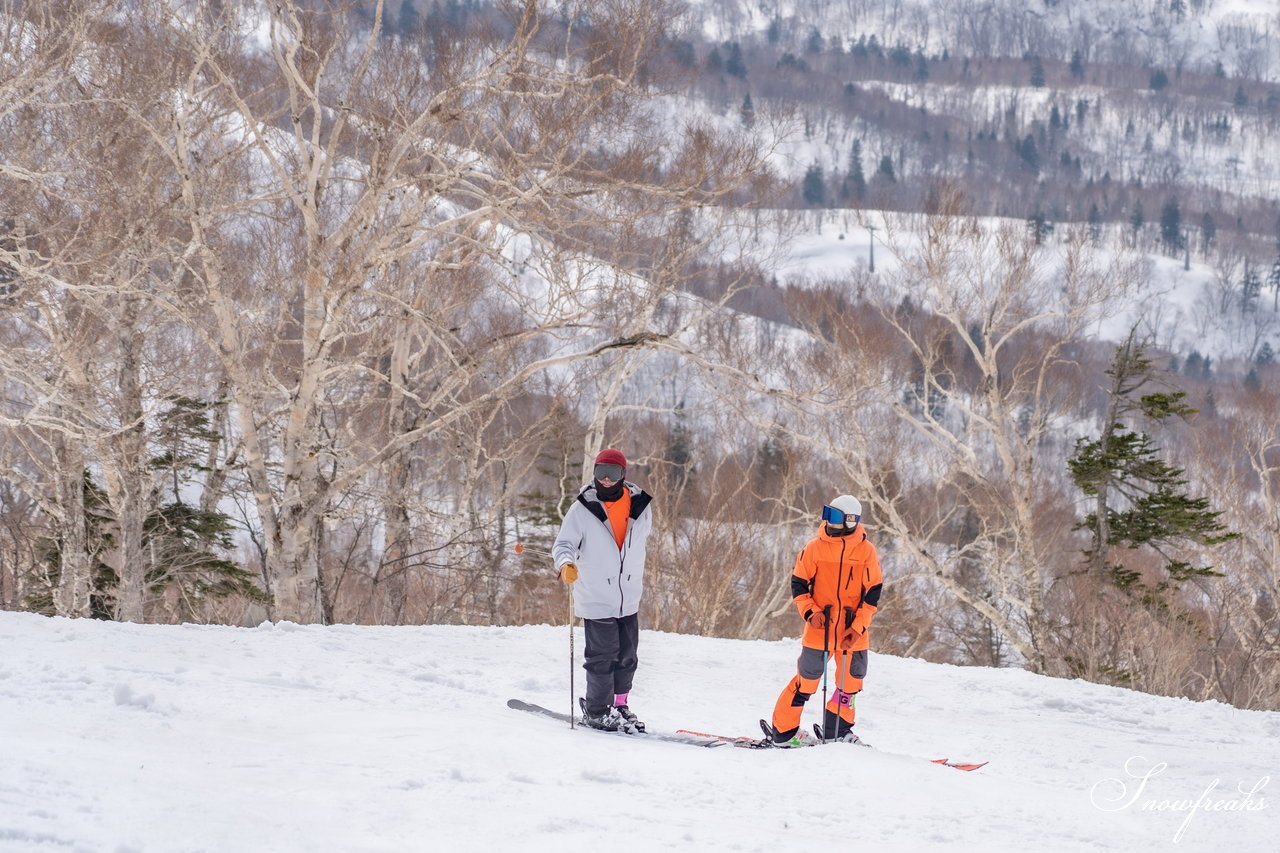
[{"x": 600, "y": 550}]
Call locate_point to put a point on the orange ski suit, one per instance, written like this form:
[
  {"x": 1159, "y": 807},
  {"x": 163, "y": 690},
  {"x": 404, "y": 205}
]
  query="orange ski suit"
[{"x": 840, "y": 577}]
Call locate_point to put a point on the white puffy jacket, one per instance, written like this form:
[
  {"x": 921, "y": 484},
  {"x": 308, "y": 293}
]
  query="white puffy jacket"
[{"x": 610, "y": 580}]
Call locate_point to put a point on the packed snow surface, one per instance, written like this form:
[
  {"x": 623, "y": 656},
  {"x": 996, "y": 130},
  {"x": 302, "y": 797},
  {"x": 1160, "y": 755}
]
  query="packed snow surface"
[{"x": 132, "y": 738}]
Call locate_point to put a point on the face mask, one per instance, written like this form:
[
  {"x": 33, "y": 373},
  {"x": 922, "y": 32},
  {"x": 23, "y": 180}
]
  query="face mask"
[{"x": 609, "y": 493}]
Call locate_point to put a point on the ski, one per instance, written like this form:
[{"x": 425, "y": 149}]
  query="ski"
[
  {"x": 957, "y": 765},
  {"x": 707, "y": 743},
  {"x": 760, "y": 743},
  {"x": 707, "y": 740},
  {"x": 817, "y": 731},
  {"x": 747, "y": 742},
  {"x": 741, "y": 742}
]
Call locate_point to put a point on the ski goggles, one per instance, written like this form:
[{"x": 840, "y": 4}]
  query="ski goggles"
[
  {"x": 609, "y": 472},
  {"x": 836, "y": 517}
]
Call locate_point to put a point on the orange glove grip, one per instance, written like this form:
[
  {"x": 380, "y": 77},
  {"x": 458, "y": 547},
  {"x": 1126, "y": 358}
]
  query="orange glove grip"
[
  {"x": 818, "y": 620},
  {"x": 569, "y": 572},
  {"x": 848, "y": 637}
]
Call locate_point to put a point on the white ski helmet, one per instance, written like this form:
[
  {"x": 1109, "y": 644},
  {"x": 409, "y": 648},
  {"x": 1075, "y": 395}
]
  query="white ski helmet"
[{"x": 848, "y": 511}]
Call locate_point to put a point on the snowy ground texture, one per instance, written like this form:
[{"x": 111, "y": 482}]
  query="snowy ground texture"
[{"x": 133, "y": 738}]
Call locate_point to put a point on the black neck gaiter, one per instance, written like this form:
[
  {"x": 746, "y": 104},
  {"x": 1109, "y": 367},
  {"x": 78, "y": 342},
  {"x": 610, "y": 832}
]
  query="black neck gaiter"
[{"x": 609, "y": 494}]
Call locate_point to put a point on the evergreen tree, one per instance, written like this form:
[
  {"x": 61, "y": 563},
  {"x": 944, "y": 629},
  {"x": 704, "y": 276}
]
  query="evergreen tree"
[
  {"x": 1039, "y": 226},
  {"x": 99, "y": 536},
  {"x": 1273, "y": 281},
  {"x": 8, "y": 275},
  {"x": 1241, "y": 100},
  {"x": 1138, "y": 218},
  {"x": 1208, "y": 232},
  {"x": 1037, "y": 72},
  {"x": 774, "y": 33},
  {"x": 684, "y": 53},
  {"x": 734, "y": 64},
  {"x": 1077, "y": 65},
  {"x": 540, "y": 511},
  {"x": 748, "y": 110},
  {"x": 410, "y": 23},
  {"x": 1158, "y": 80},
  {"x": 1028, "y": 153},
  {"x": 1171, "y": 225},
  {"x": 1139, "y": 500},
  {"x": 1194, "y": 365},
  {"x": 183, "y": 542},
  {"x": 1095, "y": 224},
  {"x": 769, "y": 468},
  {"x": 922, "y": 69},
  {"x": 1266, "y": 355},
  {"x": 857, "y": 182},
  {"x": 679, "y": 453},
  {"x": 1250, "y": 289},
  {"x": 885, "y": 171},
  {"x": 814, "y": 188}
]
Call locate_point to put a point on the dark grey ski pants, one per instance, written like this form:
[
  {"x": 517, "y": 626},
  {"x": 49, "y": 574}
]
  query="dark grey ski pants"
[{"x": 609, "y": 659}]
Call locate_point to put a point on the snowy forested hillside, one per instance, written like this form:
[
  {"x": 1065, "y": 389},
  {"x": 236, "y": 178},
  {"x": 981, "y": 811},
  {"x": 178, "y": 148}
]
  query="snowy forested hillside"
[
  {"x": 311, "y": 311},
  {"x": 1239, "y": 35},
  {"x": 1060, "y": 111},
  {"x": 161, "y": 739}
]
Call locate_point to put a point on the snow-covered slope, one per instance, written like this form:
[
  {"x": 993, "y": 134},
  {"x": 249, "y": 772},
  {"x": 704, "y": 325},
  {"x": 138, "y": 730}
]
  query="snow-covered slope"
[{"x": 127, "y": 738}]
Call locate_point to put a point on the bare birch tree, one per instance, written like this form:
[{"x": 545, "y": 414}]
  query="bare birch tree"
[
  {"x": 950, "y": 389},
  {"x": 1242, "y": 611},
  {"x": 344, "y": 166}
]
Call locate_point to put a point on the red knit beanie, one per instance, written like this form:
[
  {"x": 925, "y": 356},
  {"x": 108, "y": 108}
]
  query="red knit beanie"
[{"x": 609, "y": 456}]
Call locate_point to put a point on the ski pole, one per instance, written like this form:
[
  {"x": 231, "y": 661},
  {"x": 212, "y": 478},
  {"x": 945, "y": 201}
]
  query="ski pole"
[
  {"x": 826, "y": 634},
  {"x": 521, "y": 548},
  {"x": 572, "y": 717}
]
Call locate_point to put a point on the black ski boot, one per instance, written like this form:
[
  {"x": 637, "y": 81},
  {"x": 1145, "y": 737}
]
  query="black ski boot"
[
  {"x": 834, "y": 729},
  {"x": 784, "y": 740},
  {"x": 628, "y": 721},
  {"x": 605, "y": 721}
]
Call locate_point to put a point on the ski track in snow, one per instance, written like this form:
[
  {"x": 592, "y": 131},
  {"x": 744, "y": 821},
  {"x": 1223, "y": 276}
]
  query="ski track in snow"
[{"x": 137, "y": 739}]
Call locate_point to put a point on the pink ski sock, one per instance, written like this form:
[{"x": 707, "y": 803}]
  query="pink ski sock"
[{"x": 620, "y": 699}]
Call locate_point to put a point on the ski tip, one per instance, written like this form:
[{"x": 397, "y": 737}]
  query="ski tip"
[{"x": 958, "y": 765}]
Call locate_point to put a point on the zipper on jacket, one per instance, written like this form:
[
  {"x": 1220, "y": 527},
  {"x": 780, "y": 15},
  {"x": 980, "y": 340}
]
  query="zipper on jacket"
[
  {"x": 622, "y": 597},
  {"x": 840, "y": 582}
]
